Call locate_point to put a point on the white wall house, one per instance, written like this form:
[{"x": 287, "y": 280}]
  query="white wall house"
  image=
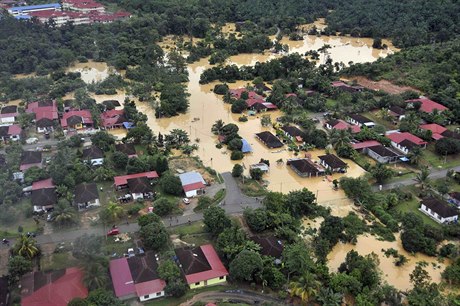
[{"x": 438, "y": 210}]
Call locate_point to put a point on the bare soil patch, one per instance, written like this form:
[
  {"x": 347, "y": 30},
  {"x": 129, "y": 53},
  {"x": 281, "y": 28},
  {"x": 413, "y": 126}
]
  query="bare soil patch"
[{"x": 383, "y": 85}]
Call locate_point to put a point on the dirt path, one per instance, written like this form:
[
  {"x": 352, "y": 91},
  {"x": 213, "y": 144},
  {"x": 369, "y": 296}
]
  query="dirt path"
[
  {"x": 383, "y": 85},
  {"x": 237, "y": 296}
]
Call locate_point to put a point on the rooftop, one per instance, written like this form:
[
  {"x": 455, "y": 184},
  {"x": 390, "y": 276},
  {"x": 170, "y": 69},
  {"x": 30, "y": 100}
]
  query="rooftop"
[
  {"x": 440, "y": 207},
  {"x": 292, "y": 131},
  {"x": 92, "y": 152},
  {"x": 269, "y": 139},
  {"x": 400, "y": 137},
  {"x": 48, "y": 183},
  {"x": 360, "y": 118},
  {"x": 333, "y": 161},
  {"x": 427, "y": 105},
  {"x": 31, "y": 157},
  {"x": 305, "y": 166},
  {"x": 44, "y": 197},
  {"x": 127, "y": 148},
  {"x": 9, "y": 109},
  {"x": 123, "y": 179},
  {"x": 365, "y": 144},
  {"x": 396, "y": 110},
  {"x": 139, "y": 185},
  {"x": 383, "y": 151},
  {"x": 86, "y": 192},
  {"x": 271, "y": 246},
  {"x": 192, "y": 181}
]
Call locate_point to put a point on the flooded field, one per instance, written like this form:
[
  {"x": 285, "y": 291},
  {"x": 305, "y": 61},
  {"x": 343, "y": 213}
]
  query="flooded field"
[
  {"x": 92, "y": 71},
  {"x": 396, "y": 276}
]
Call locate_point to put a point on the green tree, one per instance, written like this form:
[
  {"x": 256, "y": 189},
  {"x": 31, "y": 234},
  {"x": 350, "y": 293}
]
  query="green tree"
[
  {"x": 95, "y": 274},
  {"x": 246, "y": 266},
  {"x": 238, "y": 106},
  {"x": 305, "y": 287},
  {"x": 257, "y": 219},
  {"x": 169, "y": 271},
  {"x": 217, "y": 127},
  {"x": 154, "y": 236},
  {"x": 102, "y": 297},
  {"x": 233, "y": 240},
  {"x": 237, "y": 170},
  {"x": 120, "y": 160},
  {"x": 176, "y": 288},
  {"x": 381, "y": 173},
  {"x": 64, "y": 214},
  {"x": 215, "y": 220},
  {"x": 111, "y": 212},
  {"x": 171, "y": 184},
  {"x": 297, "y": 259},
  {"x": 256, "y": 174},
  {"x": 18, "y": 266},
  {"x": 423, "y": 178},
  {"x": 87, "y": 247},
  {"x": 238, "y": 155},
  {"x": 327, "y": 297},
  {"x": 301, "y": 203},
  {"x": 26, "y": 247},
  {"x": 447, "y": 146},
  {"x": 163, "y": 206},
  {"x": 266, "y": 120},
  {"x": 147, "y": 219},
  {"x": 103, "y": 140}
]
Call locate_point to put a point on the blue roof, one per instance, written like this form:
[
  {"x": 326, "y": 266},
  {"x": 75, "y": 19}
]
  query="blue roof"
[
  {"x": 128, "y": 125},
  {"x": 22, "y": 17},
  {"x": 246, "y": 148},
  {"x": 34, "y": 7}
]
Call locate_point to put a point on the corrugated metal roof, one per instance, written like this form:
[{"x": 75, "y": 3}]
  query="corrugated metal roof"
[
  {"x": 191, "y": 177},
  {"x": 246, "y": 148}
]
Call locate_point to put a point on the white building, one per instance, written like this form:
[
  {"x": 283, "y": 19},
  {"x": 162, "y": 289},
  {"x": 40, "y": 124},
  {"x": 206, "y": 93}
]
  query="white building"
[
  {"x": 438, "y": 210},
  {"x": 192, "y": 183}
]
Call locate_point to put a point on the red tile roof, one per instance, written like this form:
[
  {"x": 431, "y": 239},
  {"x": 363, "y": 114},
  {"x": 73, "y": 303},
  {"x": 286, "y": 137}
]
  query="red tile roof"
[
  {"x": 122, "y": 280},
  {"x": 145, "y": 288},
  {"x": 49, "y": 109},
  {"x": 252, "y": 101},
  {"x": 436, "y": 130},
  {"x": 342, "y": 125},
  {"x": 112, "y": 117},
  {"x": 193, "y": 186},
  {"x": 48, "y": 183},
  {"x": 84, "y": 114},
  {"x": 60, "y": 292},
  {"x": 123, "y": 179},
  {"x": 400, "y": 137},
  {"x": 217, "y": 268},
  {"x": 251, "y": 94},
  {"x": 14, "y": 129},
  {"x": 428, "y": 105},
  {"x": 365, "y": 144}
]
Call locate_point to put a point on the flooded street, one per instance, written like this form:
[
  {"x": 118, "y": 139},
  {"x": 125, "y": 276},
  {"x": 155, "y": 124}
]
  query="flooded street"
[{"x": 396, "y": 276}]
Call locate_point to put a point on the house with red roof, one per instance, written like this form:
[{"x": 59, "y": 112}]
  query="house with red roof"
[
  {"x": 113, "y": 118},
  {"x": 121, "y": 182},
  {"x": 137, "y": 276},
  {"x": 55, "y": 288},
  {"x": 427, "y": 105},
  {"x": 236, "y": 93},
  {"x": 77, "y": 119},
  {"x": 43, "y": 184},
  {"x": 439, "y": 132},
  {"x": 10, "y": 132},
  {"x": 337, "y": 124},
  {"x": 46, "y": 112},
  {"x": 201, "y": 266},
  {"x": 192, "y": 183},
  {"x": 405, "y": 141}
]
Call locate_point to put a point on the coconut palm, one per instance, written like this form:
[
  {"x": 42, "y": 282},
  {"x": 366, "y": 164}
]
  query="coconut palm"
[
  {"x": 415, "y": 155},
  {"x": 339, "y": 138},
  {"x": 25, "y": 247},
  {"x": 423, "y": 178},
  {"x": 64, "y": 214},
  {"x": 217, "y": 127},
  {"x": 327, "y": 297},
  {"x": 95, "y": 274},
  {"x": 306, "y": 287},
  {"x": 112, "y": 212}
]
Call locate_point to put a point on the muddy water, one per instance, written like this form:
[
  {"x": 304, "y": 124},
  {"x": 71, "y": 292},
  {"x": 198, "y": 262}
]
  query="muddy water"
[
  {"x": 396, "y": 276},
  {"x": 91, "y": 71}
]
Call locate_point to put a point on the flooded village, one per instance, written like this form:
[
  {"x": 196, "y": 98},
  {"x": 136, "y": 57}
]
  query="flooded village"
[{"x": 284, "y": 173}]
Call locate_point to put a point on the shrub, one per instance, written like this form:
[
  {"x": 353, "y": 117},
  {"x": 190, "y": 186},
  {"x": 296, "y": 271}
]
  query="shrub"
[{"x": 237, "y": 155}]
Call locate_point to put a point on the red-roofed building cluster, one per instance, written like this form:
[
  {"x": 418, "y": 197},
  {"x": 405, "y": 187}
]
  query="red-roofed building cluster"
[{"x": 254, "y": 101}]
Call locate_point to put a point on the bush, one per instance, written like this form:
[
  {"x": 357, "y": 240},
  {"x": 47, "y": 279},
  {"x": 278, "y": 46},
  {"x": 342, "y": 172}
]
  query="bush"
[
  {"x": 236, "y": 155},
  {"x": 163, "y": 206},
  {"x": 220, "y": 89},
  {"x": 237, "y": 170},
  {"x": 135, "y": 209},
  {"x": 171, "y": 184},
  {"x": 243, "y": 119},
  {"x": 176, "y": 289},
  {"x": 256, "y": 174}
]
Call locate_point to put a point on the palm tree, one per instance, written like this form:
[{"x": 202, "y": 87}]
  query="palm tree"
[
  {"x": 327, "y": 297},
  {"x": 25, "y": 247},
  {"x": 415, "y": 155},
  {"x": 95, "y": 274},
  {"x": 305, "y": 287},
  {"x": 112, "y": 212},
  {"x": 64, "y": 214},
  {"x": 217, "y": 127},
  {"x": 339, "y": 138},
  {"x": 423, "y": 178}
]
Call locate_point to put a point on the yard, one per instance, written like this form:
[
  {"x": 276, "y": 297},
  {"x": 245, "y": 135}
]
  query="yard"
[
  {"x": 192, "y": 234},
  {"x": 437, "y": 161},
  {"x": 18, "y": 215},
  {"x": 251, "y": 188},
  {"x": 413, "y": 206}
]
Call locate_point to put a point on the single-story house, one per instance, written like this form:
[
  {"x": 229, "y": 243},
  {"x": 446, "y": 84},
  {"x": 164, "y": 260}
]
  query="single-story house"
[
  {"x": 192, "y": 183},
  {"x": 77, "y": 119},
  {"x": 93, "y": 155},
  {"x": 86, "y": 195},
  {"x": 4, "y": 292},
  {"x": 438, "y": 131},
  {"x": 438, "y": 210},
  {"x": 405, "y": 141},
  {"x": 44, "y": 125},
  {"x": 304, "y": 167},
  {"x": 10, "y": 132},
  {"x": 139, "y": 187},
  {"x": 137, "y": 276},
  {"x": 293, "y": 133},
  {"x": 127, "y": 148},
  {"x": 8, "y": 114},
  {"x": 426, "y": 105},
  {"x": 236, "y": 93},
  {"x": 333, "y": 163},
  {"x": 345, "y": 87},
  {"x": 455, "y": 198},
  {"x": 246, "y": 147},
  {"x": 262, "y": 166},
  {"x": 269, "y": 140},
  {"x": 397, "y": 112},
  {"x": 121, "y": 182},
  {"x": 270, "y": 246},
  {"x": 364, "y": 145},
  {"x": 383, "y": 154},
  {"x": 43, "y": 109},
  {"x": 114, "y": 118},
  {"x": 43, "y": 199},
  {"x": 30, "y": 159},
  {"x": 55, "y": 288},
  {"x": 360, "y": 120},
  {"x": 260, "y": 106},
  {"x": 337, "y": 124},
  {"x": 201, "y": 266},
  {"x": 42, "y": 184}
]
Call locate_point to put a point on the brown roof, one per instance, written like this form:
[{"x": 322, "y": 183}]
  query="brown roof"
[
  {"x": 139, "y": 185},
  {"x": 192, "y": 260},
  {"x": 45, "y": 103},
  {"x": 360, "y": 118},
  {"x": 33, "y": 281},
  {"x": 44, "y": 197},
  {"x": 269, "y": 139},
  {"x": 113, "y": 102},
  {"x": 74, "y": 120},
  {"x": 304, "y": 165},
  {"x": 440, "y": 207},
  {"x": 271, "y": 246},
  {"x": 333, "y": 161},
  {"x": 9, "y": 109},
  {"x": 143, "y": 268},
  {"x": 383, "y": 151},
  {"x": 44, "y": 122},
  {"x": 292, "y": 130},
  {"x": 127, "y": 148},
  {"x": 4, "y": 293},
  {"x": 92, "y": 152},
  {"x": 31, "y": 157},
  {"x": 86, "y": 192},
  {"x": 397, "y": 110}
]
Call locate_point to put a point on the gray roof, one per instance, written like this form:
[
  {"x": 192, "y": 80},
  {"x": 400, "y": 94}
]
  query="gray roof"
[{"x": 191, "y": 177}]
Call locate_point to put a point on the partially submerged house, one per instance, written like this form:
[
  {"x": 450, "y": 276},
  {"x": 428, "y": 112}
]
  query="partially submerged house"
[
  {"x": 333, "y": 163},
  {"x": 294, "y": 133},
  {"x": 337, "y": 124},
  {"x": 405, "y": 141},
  {"x": 192, "y": 183},
  {"x": 10, "y": 132},
  {"x": 304, "y": 167},
  {"x": 56, "y": 288},
  {"x": 93, "y": 155},
  {"x": 137, "y": 276},
  {"x": 426, "y": 105},
  {"x": 237, "y": 94},
  {"x": 86, "y": 195},
  {"x": 261, "y": 166},
  {"x": 44, "y": 125},
  {"x": 246, "y": 147},
  {"x": 77, "y": 119},
  {"x": 201, "y": 266},
  {"x": 269, "y": 140},
  {"x": 364, "y": 145},
  {"x": 121, "y": 182},
  {"x": 113, "y": 118},
  {"x": 360, "y": 120},
  {"x": 30, "y": 159},
  {"x": 438, "y": 210},
  {"x": 127, "y": 148}
]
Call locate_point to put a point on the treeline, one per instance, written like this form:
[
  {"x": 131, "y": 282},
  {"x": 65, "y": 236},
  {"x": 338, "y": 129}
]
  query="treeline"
[
  {"x": 434, "y": 69},
  {"x": 407, "y": 23}
]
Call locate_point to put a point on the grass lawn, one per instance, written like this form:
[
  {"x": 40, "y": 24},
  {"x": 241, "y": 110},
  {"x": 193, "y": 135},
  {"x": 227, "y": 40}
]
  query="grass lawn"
[
  {"x": 412, "y": 206},
  {"x": 58, "y": 261},
  {"x": 251, "y": 188},
  {"x": 437, "y": 161},
  {"x": 170, "y": 301},
  {"x": 330, "y": 103},
  {"x": 193, "y": 233},
  {"x": 380, "y": 121},
  {"x": 111, "y": 247},
  {"x": 19, "y": 215}
]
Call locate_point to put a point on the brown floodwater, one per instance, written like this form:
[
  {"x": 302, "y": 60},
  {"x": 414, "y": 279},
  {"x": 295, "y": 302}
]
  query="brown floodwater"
[
  {"x": 92, "y": 71},
  {"x": 396, "y": 276}
]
